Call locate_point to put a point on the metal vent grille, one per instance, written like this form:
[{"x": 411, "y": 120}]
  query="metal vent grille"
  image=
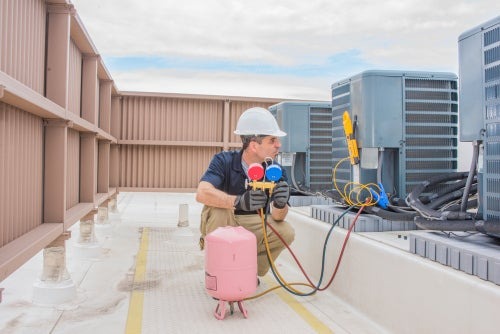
[
  {"x": 430, "y": 132},
  {"x": 491, "y": 67},
  {"x": 320, "y": 148},
  {"x": 492, "y": 73},
  {"x": 492, "y": 36},
  {"x": 432, "y": 142},
  {"x": 341, "y": 101},
  {"x": 492, "y": 55}
]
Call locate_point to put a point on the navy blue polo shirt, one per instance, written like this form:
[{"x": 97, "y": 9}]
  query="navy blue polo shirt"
[{"x": 226, "y": 173}]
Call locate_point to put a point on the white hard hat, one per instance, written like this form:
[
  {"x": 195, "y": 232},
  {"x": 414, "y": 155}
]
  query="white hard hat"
[{"x": 258, "y": 121}]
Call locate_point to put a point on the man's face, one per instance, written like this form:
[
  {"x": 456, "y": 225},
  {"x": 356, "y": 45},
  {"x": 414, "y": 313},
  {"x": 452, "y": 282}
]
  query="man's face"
[{"x": 268, "y": 147}]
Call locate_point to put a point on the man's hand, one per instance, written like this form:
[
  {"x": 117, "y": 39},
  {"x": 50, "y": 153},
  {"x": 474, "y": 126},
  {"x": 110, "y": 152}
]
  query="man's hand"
[
  {"x": 281, "y": 194},
  {"x": 251, "y": 200}
]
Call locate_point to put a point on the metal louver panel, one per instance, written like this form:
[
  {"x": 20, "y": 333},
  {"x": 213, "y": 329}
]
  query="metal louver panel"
[
  {"x": 430, "y": 129},
  {"x": 341, "y": 101},
  {"x": 320, "y": 148},
  {"x": 491, "y": 67}
]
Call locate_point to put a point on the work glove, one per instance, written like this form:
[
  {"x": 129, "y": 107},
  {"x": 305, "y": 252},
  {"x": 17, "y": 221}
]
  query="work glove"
[
  {"x": 281, "y": 194},
  {"x": 251, "y": 200}
]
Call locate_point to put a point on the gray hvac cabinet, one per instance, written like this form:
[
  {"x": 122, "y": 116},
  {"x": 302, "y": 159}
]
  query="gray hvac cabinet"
[
  {"x": 479, "y": 69},
  {"x": 405, "y": 124},
  {"x": 306, "y": 151}
]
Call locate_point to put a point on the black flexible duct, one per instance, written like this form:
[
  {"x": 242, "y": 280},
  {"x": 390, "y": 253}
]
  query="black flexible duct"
[
  {"x": 398, "y": 201},
  {"x": 390, "y": 215},
  {"x": 452, "y": 196},
  {"x": 443, "y": 190},
  {"x": 471, "y": 203},
  {"x": 487, "y": 227},
  {"x": 413, "y": 198}
]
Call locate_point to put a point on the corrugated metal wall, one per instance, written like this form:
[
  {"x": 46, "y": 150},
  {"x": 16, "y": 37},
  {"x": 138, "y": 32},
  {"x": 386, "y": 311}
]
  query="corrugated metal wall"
[
  {"x": 22, "y": 41},
  {"x": 167, "y": 167},
  {"x": 75, "y": 79},
  {"x": 167, "y": 142},
  {"x": 167, "y": 122},
  {"x": 21, "y": 145},
  {"x": 41, "y": 126},
  {"x": 73, "y": 169},
  {"x": 171, "y": 119}
]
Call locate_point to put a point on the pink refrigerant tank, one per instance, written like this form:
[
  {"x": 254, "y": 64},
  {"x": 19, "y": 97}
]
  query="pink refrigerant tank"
[{"x": 230, "y": 266}]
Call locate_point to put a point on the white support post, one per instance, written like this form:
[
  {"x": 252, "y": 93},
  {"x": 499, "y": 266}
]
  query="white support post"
[
  {"x": 103, "y": 213},
  {"x": 55, "y": 285},
  {"x": 88, "y": 245},
  {"x": 113, "y": 204},
  {"x": 183, "y": 233}
]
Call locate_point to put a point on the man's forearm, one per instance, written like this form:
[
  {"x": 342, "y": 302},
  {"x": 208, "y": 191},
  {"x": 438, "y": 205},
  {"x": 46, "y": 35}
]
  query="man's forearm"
[
  {"x": 279, "y": 214},
  {"x": 211, "y": 196}
]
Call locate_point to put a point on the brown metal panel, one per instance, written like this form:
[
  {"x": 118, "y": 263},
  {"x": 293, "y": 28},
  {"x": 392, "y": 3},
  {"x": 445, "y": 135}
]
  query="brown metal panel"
[
  {"x": 75, "y": 79},
  {"x": 90, "y": 89},
  {"x": 73, "y": 172},
  {"x": 105, "y": 104},
  {"x": 114, "y": 166},
  {"x": 22, "y": 41},
  {"x": 55, "y": 169},
  {"x": 171, "y": 119},
  {"x": 103, "y": 166},
  {"x": 58, "y": 46},
  {"x": 163, "y": 166},
  {"x": 165, "y": 138},
  {"x": 115, "y": 117},
  {"x": 88, "y": 167},
  {"x": 21, "y": 147}
]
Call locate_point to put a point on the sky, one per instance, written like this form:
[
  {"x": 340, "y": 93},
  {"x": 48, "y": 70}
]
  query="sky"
[{"x": 289, "y": 49}]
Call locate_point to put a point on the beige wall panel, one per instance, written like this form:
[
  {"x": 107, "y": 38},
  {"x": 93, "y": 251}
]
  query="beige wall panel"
[
  {"x": 22, "y": 41},
  {"x": 236, "y": 109},
  {"x": 163, "y": 166},
  {"x": 114, "y": 166},
  {"x": 73, "y": 173},
  {"x": 21, "y": 147},
  {"x": 75, "y": 79},
  {"x": 171, "y": 119},
  {"x": 106, "y": 87},
  {"x": 90, "y": 89},
  {"x": 116, "y": 116},
  {"x": 103, "y": 166}
]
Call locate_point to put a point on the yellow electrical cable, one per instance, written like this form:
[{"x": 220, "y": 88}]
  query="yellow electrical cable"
[{"x": 355, "y": 187}]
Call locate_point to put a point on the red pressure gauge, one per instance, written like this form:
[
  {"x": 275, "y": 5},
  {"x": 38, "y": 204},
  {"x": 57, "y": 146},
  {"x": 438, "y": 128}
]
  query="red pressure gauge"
[{"x": 255, "y": 171}]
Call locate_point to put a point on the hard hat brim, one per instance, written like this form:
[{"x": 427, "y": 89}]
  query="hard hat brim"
[{"x": 278, "y": 133}]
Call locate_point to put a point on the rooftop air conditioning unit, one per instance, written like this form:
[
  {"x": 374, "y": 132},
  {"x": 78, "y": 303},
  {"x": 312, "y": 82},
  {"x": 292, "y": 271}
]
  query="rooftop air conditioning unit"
[
  {"x": 479, "y": 66},
  {"x": 306, "y": 151},
  {"x": 405, "y": 124}
]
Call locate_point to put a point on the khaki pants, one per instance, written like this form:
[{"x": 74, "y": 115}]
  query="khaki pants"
[{"x": 212, "y": 218}]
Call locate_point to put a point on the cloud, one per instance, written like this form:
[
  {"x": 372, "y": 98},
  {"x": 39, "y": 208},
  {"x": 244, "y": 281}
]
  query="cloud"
[
  {"x": 283, "y": 42},
  {"x": 223, "y": 83}
]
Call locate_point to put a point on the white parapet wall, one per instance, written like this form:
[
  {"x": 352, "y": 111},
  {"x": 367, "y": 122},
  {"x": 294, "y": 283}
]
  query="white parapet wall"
[{"x": 400, "y": 291}]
